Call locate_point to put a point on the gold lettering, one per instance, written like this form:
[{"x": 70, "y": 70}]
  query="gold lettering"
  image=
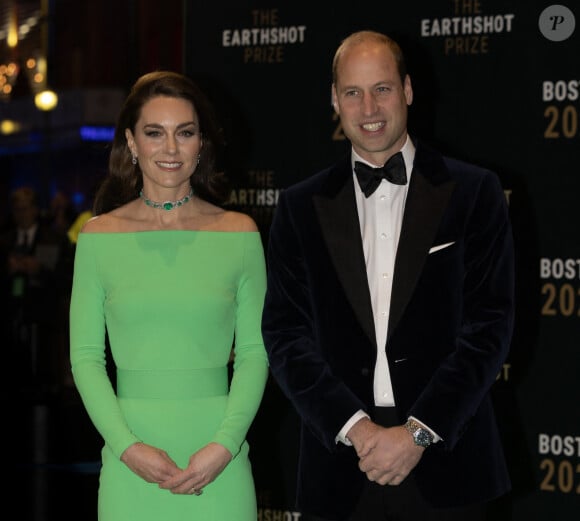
[
  {"x": 261, "y": 177},
  {"x": 265, "y": 17},
  {"x": 269, "y": 54},
  {"x": 467, "y": 6},
  {"x": 461, "y": 45}
]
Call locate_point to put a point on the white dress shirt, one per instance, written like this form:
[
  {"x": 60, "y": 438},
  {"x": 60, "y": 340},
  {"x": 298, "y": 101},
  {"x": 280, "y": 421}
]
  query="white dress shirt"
[
  {"x": 380, "y": 220},
  {"x": 25, "y": 237}
]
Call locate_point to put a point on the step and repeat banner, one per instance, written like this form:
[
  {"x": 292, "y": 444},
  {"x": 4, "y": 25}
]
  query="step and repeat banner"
[{"x": 496, "y": 83}]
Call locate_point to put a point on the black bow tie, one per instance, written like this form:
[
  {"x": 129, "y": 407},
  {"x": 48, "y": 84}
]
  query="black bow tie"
[{"x": 369, "y": 178}]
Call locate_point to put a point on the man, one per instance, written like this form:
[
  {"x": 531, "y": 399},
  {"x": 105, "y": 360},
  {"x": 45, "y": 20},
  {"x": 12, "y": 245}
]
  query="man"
[
  {"x": 389, "y": 313},
  {"x": 36, "y": 276}
]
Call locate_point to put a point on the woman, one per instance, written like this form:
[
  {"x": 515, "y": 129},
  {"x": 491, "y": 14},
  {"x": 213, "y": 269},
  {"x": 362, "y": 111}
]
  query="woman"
[{"x": 173, "y": 281}]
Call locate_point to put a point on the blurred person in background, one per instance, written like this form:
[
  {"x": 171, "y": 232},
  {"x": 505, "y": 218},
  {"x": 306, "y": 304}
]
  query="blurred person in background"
[
  {"x": 36, "y": 277},
  {"x": 61, "y": 212}
]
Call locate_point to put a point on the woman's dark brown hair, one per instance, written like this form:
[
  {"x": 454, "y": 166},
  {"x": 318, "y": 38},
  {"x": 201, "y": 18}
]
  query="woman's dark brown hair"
[{"x": 124, "y": 179}]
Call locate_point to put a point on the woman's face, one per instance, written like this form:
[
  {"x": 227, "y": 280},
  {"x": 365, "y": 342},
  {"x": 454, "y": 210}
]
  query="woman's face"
[{"x": 167, "y": 141}]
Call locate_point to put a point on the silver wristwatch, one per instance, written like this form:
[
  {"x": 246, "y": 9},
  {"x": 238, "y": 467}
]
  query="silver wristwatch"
[{"x": 421, "y": 436}]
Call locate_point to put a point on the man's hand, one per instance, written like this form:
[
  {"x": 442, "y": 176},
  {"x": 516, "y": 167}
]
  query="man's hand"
[{"x": 386, "y": 455}]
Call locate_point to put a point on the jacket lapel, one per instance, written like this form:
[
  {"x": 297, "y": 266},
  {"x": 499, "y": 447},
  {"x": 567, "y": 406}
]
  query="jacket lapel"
[
  {"x": 339, "y": 222},
  {"x": 429, "y": 192}
]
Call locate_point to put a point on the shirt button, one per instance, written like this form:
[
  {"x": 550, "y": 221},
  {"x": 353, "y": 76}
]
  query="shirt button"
[
  {"x": 383, "y": 235},
  {"x": 385, "y": 275}
]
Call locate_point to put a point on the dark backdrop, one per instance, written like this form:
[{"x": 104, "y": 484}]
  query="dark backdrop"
[{"x": 496, "y": 83}]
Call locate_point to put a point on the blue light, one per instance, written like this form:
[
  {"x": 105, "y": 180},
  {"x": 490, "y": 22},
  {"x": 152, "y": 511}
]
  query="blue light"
[{"x": 92, "y": 133}]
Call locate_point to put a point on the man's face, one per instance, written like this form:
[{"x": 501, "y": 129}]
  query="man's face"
[
  {"x": 24, "y": 212},
  {"x": 372, "y": 101}
]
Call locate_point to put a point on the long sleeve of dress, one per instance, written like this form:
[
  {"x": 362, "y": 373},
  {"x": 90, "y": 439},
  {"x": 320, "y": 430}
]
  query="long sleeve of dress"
[
  {"x": 88, "y": 351},
  {"x": 250, "y": 369}
]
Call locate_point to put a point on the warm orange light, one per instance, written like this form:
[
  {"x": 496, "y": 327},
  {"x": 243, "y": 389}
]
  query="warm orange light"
[
  {"x": 12, "y": 38},
  {"x": 7, "y": 126},
  {"x": 46, "y": 100}
]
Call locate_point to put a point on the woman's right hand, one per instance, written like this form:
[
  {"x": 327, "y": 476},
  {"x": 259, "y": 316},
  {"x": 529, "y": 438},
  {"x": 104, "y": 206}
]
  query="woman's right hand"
[{"x": 152, "y": 464}]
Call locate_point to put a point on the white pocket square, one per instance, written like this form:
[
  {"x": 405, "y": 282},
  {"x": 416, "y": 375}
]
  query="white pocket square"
[{"x": 440, "y": 247}]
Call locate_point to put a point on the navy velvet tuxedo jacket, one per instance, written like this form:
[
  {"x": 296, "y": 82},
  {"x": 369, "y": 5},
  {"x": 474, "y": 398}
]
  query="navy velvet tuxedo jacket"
[{"x": 450, "y": 326}]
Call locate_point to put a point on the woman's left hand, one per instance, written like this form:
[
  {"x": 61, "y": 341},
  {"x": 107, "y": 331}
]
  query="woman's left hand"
[{"x": 204, "y": 466}]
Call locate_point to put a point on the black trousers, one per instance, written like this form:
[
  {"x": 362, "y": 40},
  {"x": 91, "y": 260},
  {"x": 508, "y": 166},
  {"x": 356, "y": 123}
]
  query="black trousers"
[{"x": 401, "y": 502}]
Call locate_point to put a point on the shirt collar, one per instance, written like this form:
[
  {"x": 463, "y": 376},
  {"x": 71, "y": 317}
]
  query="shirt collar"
[{"x": 408, "y": 151}]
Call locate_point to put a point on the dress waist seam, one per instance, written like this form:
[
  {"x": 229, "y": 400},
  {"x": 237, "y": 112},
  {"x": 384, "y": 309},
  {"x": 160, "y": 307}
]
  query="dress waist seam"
[{"x": 172, "y": 384}]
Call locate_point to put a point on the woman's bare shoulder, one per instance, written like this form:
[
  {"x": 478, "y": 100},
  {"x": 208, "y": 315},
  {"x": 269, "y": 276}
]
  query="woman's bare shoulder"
[
  {"x": 121, "y": 219},
  {"x": 100, "y": 224},
  {"x": 217, "y": 218},
  {"x": 232, "y": 221},
  {"x": 118, "y": 220}
]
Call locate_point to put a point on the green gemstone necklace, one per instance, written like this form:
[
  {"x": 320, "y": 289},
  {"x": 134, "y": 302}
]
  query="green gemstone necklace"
[{"x": 167, "y": 205}]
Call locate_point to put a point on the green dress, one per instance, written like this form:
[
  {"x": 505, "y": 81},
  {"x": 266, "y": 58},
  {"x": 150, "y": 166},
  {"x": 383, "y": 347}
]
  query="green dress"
[{"x": 173, "y": 304}]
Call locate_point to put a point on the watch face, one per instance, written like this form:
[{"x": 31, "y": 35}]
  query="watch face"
[{"x": 422, "y": 438}]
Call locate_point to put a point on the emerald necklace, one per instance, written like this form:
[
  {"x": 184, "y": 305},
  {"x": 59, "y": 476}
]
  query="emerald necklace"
[{"x": 167, "y": 205}]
